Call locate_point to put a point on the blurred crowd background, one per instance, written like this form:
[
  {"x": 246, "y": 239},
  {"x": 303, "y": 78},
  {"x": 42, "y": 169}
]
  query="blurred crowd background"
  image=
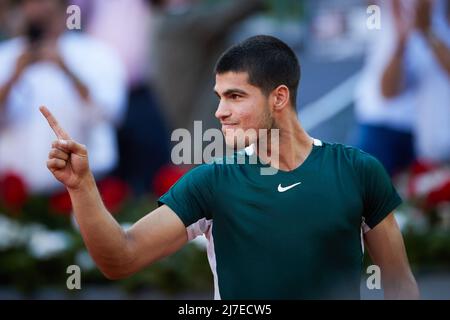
[{"x": 138, "y": 69}]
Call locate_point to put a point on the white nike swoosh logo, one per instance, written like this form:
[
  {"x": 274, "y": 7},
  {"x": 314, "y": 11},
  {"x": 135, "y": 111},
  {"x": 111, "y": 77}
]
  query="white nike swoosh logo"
[{"x": 283, "y": 189}]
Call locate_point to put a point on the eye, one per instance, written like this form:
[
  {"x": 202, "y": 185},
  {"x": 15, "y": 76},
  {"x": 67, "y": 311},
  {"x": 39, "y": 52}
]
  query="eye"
[{"x": 235, "y": 96}]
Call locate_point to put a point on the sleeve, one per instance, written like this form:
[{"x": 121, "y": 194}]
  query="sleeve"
[
  {"x": 191, "y": 197},
  {"x": 379, "y": 195}
]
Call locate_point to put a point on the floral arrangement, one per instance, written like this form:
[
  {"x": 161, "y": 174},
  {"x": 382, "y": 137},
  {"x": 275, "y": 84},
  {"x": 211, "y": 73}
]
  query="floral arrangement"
[
  {"x": 425, "y": 214},
  {"x": 39, "y": 238},
  {"x": 428, "y": 190}
]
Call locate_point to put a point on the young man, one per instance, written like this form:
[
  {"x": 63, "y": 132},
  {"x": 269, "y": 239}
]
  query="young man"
[{"x": 295, "y": 234}]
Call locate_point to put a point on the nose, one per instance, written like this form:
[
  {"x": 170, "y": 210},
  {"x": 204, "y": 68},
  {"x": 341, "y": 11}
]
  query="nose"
[{"x": 222, "y": 111}]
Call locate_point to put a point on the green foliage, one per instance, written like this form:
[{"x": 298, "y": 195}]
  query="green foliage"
[
  {"x": 188, "y": 269},
  {"x": 431, "y": 249}
]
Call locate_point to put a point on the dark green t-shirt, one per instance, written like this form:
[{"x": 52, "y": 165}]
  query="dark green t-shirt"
[{"x": 292, "y": 235}]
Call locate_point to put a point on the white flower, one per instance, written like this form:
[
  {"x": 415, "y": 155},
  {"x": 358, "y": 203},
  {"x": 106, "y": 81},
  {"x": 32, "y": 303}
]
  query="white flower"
[
  {"x": 44, "y": 244},
  {"x": 11, "y": 233}
]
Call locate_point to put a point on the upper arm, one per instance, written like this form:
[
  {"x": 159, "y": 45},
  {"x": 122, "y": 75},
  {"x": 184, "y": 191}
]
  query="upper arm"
[
  {"x": 157, "y": 235},
  {"x": 385, "y": 245},
  {"x": 378, "y": 193},
  {"x": 383, "y": 238},
  {"x": 164, "y": 230}
]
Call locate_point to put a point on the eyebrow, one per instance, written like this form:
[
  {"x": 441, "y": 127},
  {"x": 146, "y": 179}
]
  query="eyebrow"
[{"x": 232, "y": 91}]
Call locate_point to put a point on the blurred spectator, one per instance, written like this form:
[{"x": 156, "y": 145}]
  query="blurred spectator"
[
  {"x": 424, "y": 44},
  {"x": 125, "y": 26},
  {"x": 430, "y": 47},
  {"x": 79, "y": 79},
  {"x": 144, "y": 141},
  {"x": 385, "y": 125},
  {"x": 188, "y": 38}
]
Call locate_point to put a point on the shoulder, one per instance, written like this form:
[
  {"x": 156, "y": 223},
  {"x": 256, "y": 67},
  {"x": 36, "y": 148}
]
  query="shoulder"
[
  {"x": 358, "y": 159},
  {"x": 203, "y": 169},
  {"x": 201, "y": 174},
  {"x": 368, "y": 172},
  {"x": 230, "y": 159},
  {"x": 345, "y": 151}
]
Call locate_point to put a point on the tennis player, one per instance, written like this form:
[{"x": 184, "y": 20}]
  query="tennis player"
[{"x": 296, "y": 234}]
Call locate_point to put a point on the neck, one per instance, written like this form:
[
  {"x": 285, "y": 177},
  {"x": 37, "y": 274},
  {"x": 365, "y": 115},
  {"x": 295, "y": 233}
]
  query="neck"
[{"x": 294, "y": 144}]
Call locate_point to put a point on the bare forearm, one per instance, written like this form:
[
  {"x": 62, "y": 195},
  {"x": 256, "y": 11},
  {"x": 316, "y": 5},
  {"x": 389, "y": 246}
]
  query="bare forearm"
[
  {"x": 441, "y": 51},
  {"x": 401, "y": 289},
  {"x": 81, "y": 88},
  {"x": 387, "y": 250},
  {"x": 392, "y": 79},
  {"x": 103, "y": 236}
]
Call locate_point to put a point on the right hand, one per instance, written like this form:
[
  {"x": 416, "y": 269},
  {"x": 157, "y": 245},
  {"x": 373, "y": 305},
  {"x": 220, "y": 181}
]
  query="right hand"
[{"x": 68, "y": 160}]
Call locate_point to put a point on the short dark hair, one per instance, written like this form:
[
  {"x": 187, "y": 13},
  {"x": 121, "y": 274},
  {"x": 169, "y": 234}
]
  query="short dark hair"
[{"x": 268, "y": 61}]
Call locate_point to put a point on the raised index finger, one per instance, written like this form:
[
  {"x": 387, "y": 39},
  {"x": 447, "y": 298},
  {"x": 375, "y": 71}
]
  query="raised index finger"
[{"x": 60, "y": 133}]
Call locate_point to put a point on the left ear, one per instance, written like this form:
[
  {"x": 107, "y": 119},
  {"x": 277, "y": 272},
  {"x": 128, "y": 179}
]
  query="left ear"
[{"x": 280, "y": 97}]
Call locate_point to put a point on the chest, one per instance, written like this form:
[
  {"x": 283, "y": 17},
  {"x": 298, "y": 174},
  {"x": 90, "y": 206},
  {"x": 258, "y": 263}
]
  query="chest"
[{"x": 291, "y": 207}]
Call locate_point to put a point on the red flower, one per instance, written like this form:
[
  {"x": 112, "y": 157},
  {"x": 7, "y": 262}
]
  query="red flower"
[
  {"x": 61, "y": 203},
  {"x": 13, "y": 191},
  {"x": 421, "y": 167},
  {"x": 114, "y": 193},
  {"x": 166, "y": 177},
  {"x": 441, "y": 194},
  {"x": 418, "y": 169}
]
